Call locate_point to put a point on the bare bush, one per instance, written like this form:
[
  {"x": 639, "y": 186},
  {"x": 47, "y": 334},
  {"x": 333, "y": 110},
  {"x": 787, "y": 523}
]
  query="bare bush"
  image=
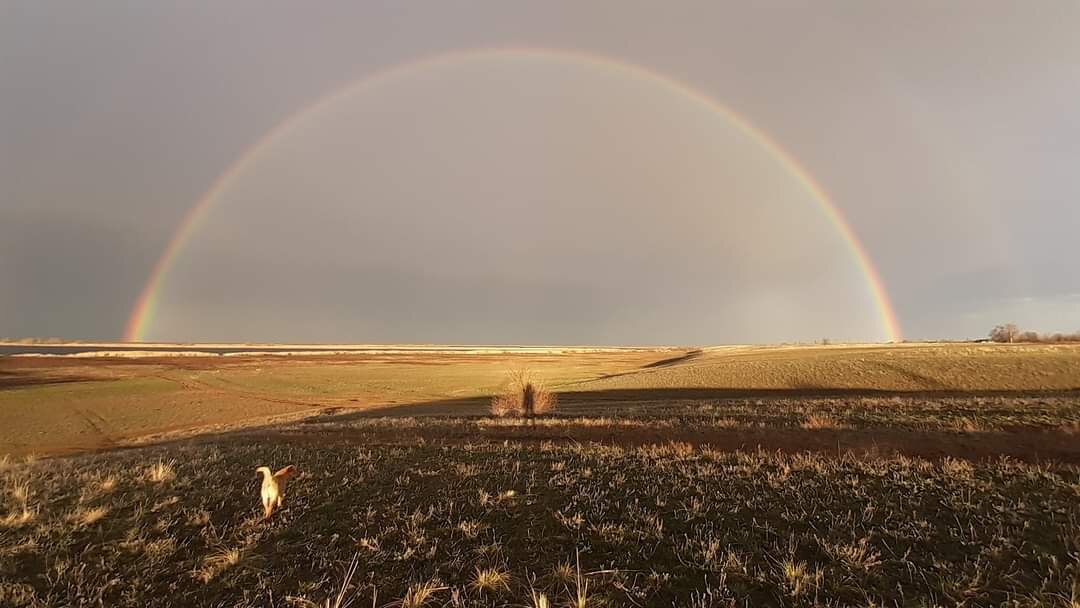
[{"x": 524, "y": 397}]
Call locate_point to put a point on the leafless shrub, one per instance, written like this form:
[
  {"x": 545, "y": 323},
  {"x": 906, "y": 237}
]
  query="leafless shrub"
[{"x": 524, "y": 396}]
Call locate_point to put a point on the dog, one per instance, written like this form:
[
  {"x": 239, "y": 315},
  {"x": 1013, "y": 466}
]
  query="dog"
[{"x": 273, "y": 488}]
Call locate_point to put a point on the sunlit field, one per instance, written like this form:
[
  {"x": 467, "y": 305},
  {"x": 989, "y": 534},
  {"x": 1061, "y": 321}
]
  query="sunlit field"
[
  {"x": 906, "y": 475},
  {"x": 68, "y": 404}
]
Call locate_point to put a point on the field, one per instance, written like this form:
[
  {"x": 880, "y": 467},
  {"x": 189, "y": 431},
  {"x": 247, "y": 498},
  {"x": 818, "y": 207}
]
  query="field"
[{"x": 906, "y": 475}]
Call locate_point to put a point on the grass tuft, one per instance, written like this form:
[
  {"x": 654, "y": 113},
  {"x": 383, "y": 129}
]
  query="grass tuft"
[
  {"x": 491, "y": 580},
  {"x": 537, "y": 599},
  {"x": 161, "y": 471},
  {"x": 421, "y": 594},
  {"x": 89, "y": 517},
  {"x": 18, "y": 518},
  {"x": 818, "y": 422},
  {"x": 219, "y": 561}
]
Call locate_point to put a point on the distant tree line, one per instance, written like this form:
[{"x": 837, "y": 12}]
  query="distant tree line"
[
  {"x": 1010, "y": 333},
  {"x": 39, "y": 340}
]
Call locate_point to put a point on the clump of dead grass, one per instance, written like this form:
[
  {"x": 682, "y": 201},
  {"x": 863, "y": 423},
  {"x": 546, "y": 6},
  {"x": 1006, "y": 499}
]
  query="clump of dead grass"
[
  {"x": 89, "y": 517},
  {"x": 219, "y": 561},
  {"x": 22, "y": 514},
  {"x": 524, "y": 397},
  {"x": 18, "y": 518},
  {"x": 818, "y": 422},
  {"x": 421, "y": 594},
  {"x": 161, "y": 471},
  {"x": 491, "y": 580},
  {"x": 967, "y": 424}
]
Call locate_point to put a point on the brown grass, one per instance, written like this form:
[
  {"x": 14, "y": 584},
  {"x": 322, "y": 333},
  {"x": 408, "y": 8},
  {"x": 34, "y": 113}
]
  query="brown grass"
[
  {"x": 161, "y": 471},
  {"x": 819, "y": 422},
  {"x": 17, "y": 518},
  {"x": 89, "y": 517},
  {"x": 491, "y": 580},
  {"x": 663, "y": 525},
  {"x": 421, "y": 594},
  {"x": 524, "y": 396},
  {"x": 52, "y": 405}
]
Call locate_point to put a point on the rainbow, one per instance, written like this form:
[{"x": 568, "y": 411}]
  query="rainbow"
[{"x": 142, "y": 313}]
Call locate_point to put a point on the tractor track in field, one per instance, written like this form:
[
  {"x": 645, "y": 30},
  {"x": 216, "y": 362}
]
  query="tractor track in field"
[
  {"x": 200, "y": 385},
  {"x": 98, "y": 425}
]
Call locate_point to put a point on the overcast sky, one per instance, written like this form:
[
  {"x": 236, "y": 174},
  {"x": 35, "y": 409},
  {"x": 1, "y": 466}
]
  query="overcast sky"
[{"x": 538, "y": 196}]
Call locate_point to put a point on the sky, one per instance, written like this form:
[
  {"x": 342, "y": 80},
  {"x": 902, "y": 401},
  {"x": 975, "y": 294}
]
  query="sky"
[{"x": 538, "y": 172}]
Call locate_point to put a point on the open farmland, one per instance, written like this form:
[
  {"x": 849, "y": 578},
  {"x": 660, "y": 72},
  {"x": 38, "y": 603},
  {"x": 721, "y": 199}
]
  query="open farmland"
[
  {"x": 906, "y": 475},
  {"x": 67, "y": 404}
]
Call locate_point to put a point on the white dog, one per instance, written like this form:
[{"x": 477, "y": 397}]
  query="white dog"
[{"x": 273, "y": 488}]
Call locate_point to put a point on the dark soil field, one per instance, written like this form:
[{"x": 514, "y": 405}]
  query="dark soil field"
[{"x": 520, "y": 524}]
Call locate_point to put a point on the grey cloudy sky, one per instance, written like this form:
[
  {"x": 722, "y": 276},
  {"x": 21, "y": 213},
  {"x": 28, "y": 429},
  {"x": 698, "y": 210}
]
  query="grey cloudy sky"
[{"x": 535, "y": 197}]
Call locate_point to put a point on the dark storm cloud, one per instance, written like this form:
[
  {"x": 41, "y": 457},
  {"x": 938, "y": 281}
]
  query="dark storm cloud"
[
  {"x": 947, "y": 134},
  {"x": 67, "y": 278}
]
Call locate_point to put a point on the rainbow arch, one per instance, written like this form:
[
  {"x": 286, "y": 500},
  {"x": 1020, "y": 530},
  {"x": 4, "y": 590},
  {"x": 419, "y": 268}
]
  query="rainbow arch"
[{"x": 145, "y": 307}]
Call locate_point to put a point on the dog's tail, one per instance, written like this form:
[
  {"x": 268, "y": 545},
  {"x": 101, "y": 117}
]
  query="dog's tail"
[{"x": 286, "y": 472}]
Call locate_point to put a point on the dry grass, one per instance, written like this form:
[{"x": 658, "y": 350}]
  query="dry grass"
[
  {"x": 141, "y": 397},
  {"x": 491, "y": 580},
  {"x": 475, "y": 518},
  {"x": 106, "y": 485},
  {"x": 19, "y": 496},
  {"x": 18, "y": 518},
  {"x": 966, "y": 424},
  {"x": 579, "y": 595},
  {"x": 819, "y": 422},
  {"x": 89, "y": 517},
  {"x": 657, "y": 525},
  {"x": 421, "y": 594},
  {"x": 564, "y": 573},
  {"x": 20, "y": 491},
  {"x": 524, "y": 396},
  {"x": 161, "y": 471},
  {"x": 858, "y": 556},
  {"x": 218, "y": 562},
  {"x": 538, "y": 599}
]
